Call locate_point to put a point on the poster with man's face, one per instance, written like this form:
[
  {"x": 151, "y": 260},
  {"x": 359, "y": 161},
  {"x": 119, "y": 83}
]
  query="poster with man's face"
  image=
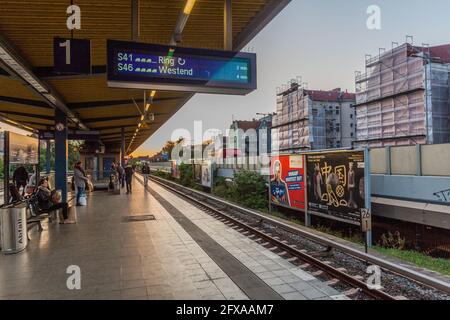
[
  {"x": 287, "y": 181},
  {"x": 336, "y": 183},
  {"x": 206, "y": 174}
]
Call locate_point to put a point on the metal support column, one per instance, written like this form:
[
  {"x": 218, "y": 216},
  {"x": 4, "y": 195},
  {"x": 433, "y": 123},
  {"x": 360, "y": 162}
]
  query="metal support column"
[
  {"x": 98, "y": 166},
  {"x": 388, "y": 161},
  {"x": 61, "y": 155},
  {"x": 6, "y": 168},
  {"x": 418, "y": 160},
  {"x": 37, "y": 168},
  {"x": 122, "y": 148},
  {"x": 227, "y": 25},
  {"x": 135, "y": 25},
  {"x": 48, "y": 157},
  {"x": 368, "y": 192}
]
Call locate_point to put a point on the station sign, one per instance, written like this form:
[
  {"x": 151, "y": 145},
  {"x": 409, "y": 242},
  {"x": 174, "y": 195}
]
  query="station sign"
[
  {"x": 72, "y": 56},
  {"x": 170, "y": 68},
  {"x": 72, "y": 135},
  {"x": 336, "y": 185}
]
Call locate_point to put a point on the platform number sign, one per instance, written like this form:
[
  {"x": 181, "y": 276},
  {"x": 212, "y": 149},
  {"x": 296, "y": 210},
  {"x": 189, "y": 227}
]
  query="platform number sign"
[
  {"x": 72, "y": 56},
  {"x": 366, "y": 220}
]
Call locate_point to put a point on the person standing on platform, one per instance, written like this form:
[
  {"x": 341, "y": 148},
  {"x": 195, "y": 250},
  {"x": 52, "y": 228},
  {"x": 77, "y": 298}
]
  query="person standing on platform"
[
  {"x": 20, "y": 178},
  {"x": 80, "y": 180},
  {"x": 145, "y": 173},
  {"x": 129, "y": 172},
  {"x": 121, "y": 174}
]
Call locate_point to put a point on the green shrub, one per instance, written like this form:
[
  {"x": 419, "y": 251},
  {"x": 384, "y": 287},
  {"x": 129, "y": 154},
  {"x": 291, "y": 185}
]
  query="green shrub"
[
  {"x": 251, "y": 189},
  {"x": 393, "y": 241},
  {"x": 186, "y": 175}
]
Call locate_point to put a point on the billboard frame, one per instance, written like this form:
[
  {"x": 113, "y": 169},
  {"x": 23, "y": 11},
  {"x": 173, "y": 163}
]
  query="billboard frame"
[
  {"x": 308, "y": 213},
  {"x": 367, "y": 191},
  {"x": 6, "y": 163}
]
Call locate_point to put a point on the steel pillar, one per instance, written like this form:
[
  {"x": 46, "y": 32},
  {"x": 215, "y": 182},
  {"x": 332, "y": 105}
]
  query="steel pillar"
[
  {"x": 122, "y": 147},
  {"x": 61, "y": 155},
  {"x": 48, "y": 155}
]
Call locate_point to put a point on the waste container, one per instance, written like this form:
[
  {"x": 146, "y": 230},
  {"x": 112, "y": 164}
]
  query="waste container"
[{"x": 13, "y": 228}]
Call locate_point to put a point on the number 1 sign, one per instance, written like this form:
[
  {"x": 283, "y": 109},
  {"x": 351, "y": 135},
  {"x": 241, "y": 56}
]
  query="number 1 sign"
[{"x": 72, "y": 56}]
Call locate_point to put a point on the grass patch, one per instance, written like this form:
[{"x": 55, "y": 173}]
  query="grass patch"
[
  {"x": 419, "y": 259},
  {"x": 355, "y": 238}
]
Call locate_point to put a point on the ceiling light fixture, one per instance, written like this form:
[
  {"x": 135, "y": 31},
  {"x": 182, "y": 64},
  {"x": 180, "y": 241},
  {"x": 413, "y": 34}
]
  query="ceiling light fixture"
[{"x": 188, "y": 7}]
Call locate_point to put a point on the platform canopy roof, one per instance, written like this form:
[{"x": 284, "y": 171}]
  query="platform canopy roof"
[{"x": 27, "y": 28}]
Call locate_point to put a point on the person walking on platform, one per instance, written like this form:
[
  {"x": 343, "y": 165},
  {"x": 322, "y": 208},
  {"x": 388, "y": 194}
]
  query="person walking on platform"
[
  {"x": 146, "y": 173},
  {"x": 121, "y": 174},
  {"x": 129, "y": 172},
  {"x": 80, "y": 180}
]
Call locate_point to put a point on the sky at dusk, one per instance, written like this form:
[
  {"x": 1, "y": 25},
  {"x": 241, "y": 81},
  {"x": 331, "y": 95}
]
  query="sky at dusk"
[{"x": 324, "y": 42}]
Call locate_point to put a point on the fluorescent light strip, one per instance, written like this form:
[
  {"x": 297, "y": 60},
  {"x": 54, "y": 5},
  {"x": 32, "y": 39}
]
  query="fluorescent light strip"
[{"x": 189, "y": 6}]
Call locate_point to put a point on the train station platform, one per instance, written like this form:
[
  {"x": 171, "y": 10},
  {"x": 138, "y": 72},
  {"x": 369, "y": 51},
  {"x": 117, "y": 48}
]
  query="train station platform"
[{"x": 182, "y": 254}]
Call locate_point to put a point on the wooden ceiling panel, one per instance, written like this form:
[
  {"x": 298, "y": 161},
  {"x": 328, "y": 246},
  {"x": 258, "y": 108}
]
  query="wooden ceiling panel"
[{"x": 31, "y": 25}]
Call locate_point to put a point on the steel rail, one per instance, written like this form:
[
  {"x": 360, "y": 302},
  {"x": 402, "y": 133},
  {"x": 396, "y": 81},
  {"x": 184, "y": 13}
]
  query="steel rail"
[
  {"x": 350, "y": 280},
  {"x": 369, "y": 258}
]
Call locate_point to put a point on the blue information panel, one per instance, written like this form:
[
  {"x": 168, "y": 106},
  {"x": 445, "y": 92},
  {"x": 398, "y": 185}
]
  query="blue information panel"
[{"x": 148, "y": 66}]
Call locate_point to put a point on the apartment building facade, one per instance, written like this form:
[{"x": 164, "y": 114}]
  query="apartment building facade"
[
  {"x": 313, "y": 120},
  {"x": 403, "y": 98}
]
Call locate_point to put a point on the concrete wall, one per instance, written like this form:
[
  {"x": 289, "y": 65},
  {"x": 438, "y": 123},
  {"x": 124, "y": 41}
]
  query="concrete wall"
[
  {"x": 422, "y": 160},
  {"x": 378, "y": 163},
  {"x": 414, "y": 188},
  {"x": 436, "y": 160},
  {"x": 403, "y": 160}
]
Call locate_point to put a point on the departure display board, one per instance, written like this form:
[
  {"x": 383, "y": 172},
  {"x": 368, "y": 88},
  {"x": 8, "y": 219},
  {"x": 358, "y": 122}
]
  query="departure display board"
[{"x": 157, "y": 67}]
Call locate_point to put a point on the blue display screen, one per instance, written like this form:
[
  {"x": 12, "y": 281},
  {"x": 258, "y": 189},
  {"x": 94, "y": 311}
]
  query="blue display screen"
[
  {"x": 182, "y": 67},
  {"x": 152, "y": 66}
]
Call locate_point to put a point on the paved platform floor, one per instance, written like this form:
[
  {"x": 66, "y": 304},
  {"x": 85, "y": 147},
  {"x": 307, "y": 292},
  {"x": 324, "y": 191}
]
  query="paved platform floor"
[{"x": 155, "y": 259}]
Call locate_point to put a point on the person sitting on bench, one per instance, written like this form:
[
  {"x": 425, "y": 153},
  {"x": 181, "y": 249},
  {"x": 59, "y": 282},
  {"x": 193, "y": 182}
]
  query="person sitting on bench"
[{"x": 46, "y": 200}]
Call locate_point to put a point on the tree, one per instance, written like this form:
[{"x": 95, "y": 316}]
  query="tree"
[{"x": 73, "y": 155}]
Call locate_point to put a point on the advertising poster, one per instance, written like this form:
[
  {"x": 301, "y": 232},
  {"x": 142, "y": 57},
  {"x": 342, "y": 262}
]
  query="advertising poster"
[
  {"x": 175, "y": 170},
  {"x": 197, "y": 173},
  {"x": 287, "y": 181},
  {"x": 336, "y": 184},
  {"x": 23, "y": 149},
  {"x": 207, "y": 174}
]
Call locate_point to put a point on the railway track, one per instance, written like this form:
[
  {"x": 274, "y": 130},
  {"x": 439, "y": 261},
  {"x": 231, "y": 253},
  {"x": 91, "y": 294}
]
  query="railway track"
[{"x": 354, "y": 284}]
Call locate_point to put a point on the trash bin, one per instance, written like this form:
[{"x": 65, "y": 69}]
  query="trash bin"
[{"x": 13, "y": 228}]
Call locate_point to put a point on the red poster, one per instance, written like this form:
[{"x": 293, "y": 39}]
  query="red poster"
[{"x": 287, "y": 176}]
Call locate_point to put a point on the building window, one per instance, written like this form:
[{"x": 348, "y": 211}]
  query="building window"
[
  {"x": 351, "y": 116},
  {"x": 337, "y": 111},
  {"x": 351, "y": 134},
  {"x": 351, "y": 125}
]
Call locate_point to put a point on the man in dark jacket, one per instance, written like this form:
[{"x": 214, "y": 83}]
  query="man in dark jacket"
[
  {"x": 145, "y": 173},
  {"x": 121, "y": 174},
  {"x": 20, "y": 178},
  {"x": 129, "y": 171}
]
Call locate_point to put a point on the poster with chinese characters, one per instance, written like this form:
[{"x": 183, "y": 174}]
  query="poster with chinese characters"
[
  {"x": 336, "y": 184},
  {"x": 287, "y": 181}
]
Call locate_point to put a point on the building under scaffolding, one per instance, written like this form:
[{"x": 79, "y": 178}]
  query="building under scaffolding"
[
  {"x": 313, "y": 119},
  {"x": 403, "y": 98}
]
